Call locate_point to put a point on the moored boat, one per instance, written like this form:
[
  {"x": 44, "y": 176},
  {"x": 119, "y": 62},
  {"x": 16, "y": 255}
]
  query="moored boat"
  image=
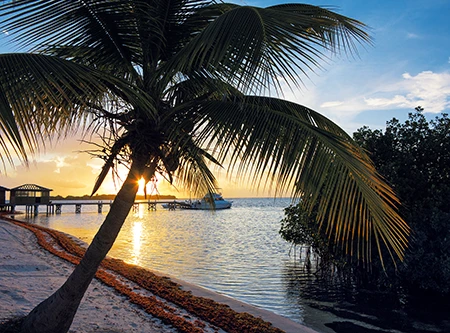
[{"x": 208, "y": 202}]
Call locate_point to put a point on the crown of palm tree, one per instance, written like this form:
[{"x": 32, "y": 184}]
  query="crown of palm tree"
[{"x": 176, "y": 86}]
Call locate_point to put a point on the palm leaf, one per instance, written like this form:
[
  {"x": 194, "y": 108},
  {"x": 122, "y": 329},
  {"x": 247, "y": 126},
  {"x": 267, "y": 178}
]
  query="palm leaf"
[
  {"x": 109, "y": 162},
  {"x": 49, "y": 95},
  {"x": 194, "y": 171},
  {"x": 105, "y": 27},
  {"x": 254, "y": 48},
  {"x": 10, "y": 137},
  {"x": 195, "y": 59},
  {"x": 295, "y": 147}
]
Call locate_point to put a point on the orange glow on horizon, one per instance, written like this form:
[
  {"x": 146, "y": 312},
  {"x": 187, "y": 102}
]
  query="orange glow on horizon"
[{"x": 49, "y": 172}]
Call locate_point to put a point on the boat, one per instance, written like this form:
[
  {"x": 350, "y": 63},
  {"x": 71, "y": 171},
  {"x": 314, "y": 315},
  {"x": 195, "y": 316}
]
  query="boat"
[{"x": 208, "y": 202}]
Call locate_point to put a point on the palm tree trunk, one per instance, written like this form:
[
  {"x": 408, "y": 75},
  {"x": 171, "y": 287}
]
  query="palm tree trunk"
[{"x": 56, "y": 313}]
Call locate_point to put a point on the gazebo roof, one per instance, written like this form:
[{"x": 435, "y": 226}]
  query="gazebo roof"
[
  {"x": 30, "y": 187},
  {"x": 4, "y": 188}
]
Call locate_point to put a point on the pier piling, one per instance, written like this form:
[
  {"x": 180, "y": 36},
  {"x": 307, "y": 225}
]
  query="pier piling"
[{"x": 56, "y": 207}]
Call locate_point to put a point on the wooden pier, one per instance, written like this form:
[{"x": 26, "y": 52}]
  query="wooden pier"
[{"x": 55, "y": 207}]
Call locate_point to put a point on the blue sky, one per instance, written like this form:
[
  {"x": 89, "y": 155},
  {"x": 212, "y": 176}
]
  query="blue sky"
[{"x": 408, "y": 65}]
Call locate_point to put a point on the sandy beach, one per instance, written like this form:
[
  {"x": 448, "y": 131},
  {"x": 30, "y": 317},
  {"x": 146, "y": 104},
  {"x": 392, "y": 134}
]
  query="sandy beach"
[{"x": 29, "y": 273}]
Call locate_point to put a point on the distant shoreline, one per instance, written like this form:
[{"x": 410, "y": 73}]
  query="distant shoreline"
[{"x": 111, "y": 197}]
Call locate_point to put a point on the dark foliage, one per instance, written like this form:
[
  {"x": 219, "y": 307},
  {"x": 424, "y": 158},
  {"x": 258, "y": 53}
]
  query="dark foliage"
[
  {"x": 299, "y": 227},
  {"x": 324, "y": 257},
  {"x": 415, "y": 159}
]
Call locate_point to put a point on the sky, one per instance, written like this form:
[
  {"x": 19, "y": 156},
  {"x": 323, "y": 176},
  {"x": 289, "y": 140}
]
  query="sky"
[{"x": 407, "y": 66}]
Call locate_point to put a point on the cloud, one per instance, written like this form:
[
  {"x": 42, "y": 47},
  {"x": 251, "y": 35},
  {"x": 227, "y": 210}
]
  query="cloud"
[
  {"x": 65, "y": 167},
  {"x": 332, "y": 104},
  {"x": 342, "y": 100},
  {"x": 427, "y": 89},
  {"x": 397, "y": 101},
  {"x": 65, "y": 174},
  {"x": 411, "y": 35}
]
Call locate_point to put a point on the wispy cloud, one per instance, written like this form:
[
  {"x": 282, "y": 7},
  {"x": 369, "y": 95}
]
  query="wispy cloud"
[
  {"x": 411, "y": 35},
  {"x": 427, "y": 89},
  {"x": 332, "y": 104},
  {"x": 396, "y": 101},
  {"x": 68, "y": 173},
  {"x": 343, "y": 103}
]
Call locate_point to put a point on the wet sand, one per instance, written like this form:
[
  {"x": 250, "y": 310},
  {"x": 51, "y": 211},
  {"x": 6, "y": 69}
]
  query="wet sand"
[{"x": 29, "y": 274}]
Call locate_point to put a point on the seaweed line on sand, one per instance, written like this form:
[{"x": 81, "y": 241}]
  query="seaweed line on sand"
[{"x": 120, "y": 275}]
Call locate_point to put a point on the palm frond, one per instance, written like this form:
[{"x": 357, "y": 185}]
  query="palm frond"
[
  {"x": 109, "y": 162},
  {"x": 288, "y": 144},
  {"x": 254, "y": 48},
  {"x": 194, "y": 172},
  {"x": 102, "y": 32},
  {"x": 184, "y": 162},
  {"x": 10, "y": 138},
  {"x": 172, "y": 76},
  {"x": 49, "y": 95}
]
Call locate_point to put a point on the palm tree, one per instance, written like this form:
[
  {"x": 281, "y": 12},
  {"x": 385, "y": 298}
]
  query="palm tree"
[{"x": 176, "y": 87}]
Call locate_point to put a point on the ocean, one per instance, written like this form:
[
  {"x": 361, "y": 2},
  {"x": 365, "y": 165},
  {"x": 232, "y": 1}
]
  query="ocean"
[{"x": 237, "y": 252}]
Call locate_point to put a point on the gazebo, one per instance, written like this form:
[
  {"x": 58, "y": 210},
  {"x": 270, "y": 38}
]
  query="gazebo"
[{"x": 29, "y": 194}]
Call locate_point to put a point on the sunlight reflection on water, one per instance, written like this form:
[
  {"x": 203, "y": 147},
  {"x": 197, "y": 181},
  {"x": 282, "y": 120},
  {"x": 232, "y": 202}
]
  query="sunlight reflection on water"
[{"x": 237, "y": 252}]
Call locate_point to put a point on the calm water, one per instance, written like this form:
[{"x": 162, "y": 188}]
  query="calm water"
[{"x": 237, "y": 252}]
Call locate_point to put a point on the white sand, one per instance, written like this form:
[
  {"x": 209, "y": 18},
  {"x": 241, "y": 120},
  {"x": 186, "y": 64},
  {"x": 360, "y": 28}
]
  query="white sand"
[{"x": 29, "y": 274}]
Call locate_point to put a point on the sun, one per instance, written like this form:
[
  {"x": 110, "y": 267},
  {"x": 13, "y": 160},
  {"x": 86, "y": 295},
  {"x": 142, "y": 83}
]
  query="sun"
[{"x": 141, "y": 183}]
